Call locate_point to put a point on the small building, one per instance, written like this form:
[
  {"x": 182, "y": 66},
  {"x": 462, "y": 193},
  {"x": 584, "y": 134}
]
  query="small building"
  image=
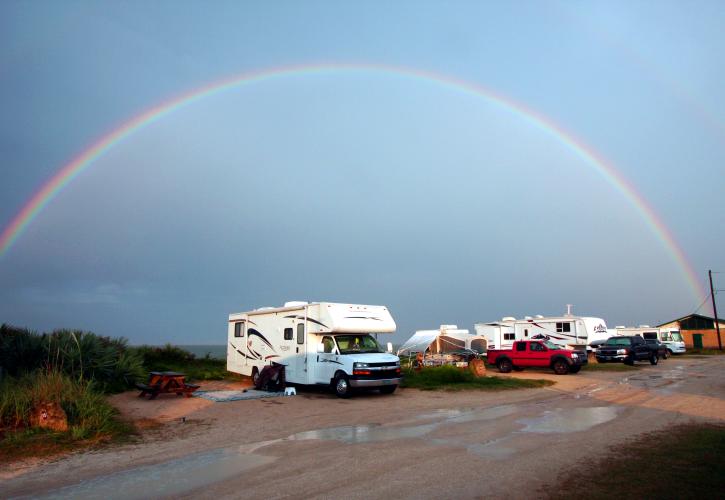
[{"x": 697, "y": 330}]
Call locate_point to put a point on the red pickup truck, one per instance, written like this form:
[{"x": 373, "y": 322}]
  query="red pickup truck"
[{"x": 537, "y": 353}]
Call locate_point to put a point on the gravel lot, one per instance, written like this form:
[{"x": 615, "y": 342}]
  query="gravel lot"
[{"x": 510, "y": 444}]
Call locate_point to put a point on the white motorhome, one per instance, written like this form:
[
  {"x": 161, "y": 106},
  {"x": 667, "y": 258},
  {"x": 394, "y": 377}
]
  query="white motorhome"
[
  {"x": 670, "y": 337},
  {"x": 318, "y": 343},
  {"x": 567, "y": 330}
]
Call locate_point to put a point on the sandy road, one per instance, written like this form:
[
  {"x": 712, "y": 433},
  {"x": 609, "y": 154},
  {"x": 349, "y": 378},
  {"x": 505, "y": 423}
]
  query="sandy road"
[{"x": 510, "y": 444}]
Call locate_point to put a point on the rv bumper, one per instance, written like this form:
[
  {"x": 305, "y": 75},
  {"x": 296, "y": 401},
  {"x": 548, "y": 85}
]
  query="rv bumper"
[{"x": 374, "y": 383}]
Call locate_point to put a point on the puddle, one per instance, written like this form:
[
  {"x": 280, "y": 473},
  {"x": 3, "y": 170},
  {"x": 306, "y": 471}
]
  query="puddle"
[
  {"x": 570, "y": 420},
  {"x": 167, "y": 479},
  {"x": 462, "y": 415}
]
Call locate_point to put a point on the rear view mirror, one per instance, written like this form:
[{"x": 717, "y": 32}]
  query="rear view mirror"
[{"x": 390, "y": 347}]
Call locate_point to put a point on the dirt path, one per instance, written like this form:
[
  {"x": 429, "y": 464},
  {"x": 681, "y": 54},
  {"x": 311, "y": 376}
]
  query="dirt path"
[{"x": 411, "y": 444}]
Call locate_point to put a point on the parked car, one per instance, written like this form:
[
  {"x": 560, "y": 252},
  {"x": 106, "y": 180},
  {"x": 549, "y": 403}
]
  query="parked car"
[
  {"x": 627, "y": 350},
  {"x": 543, "y": 353}
]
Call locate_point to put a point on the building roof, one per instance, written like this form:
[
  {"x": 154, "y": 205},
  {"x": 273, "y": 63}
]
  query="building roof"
[{"x": 701, "y": 316}]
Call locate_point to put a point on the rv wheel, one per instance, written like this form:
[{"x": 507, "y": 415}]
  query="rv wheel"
[
  {"x": 342, "y": 385},
  {"x": 255, "y": 376}
]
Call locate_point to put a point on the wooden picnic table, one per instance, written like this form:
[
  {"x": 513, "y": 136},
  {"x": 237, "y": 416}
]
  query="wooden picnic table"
[{"x": 166, "y": 382}]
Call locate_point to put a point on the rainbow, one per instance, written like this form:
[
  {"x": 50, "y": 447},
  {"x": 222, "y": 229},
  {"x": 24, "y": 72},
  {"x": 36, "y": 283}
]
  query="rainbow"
[{"x": 75, "y": 167}]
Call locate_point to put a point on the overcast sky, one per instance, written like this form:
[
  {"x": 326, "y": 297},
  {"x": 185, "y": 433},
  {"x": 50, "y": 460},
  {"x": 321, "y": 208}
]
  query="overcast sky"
[{"x": 363, "y": 186}]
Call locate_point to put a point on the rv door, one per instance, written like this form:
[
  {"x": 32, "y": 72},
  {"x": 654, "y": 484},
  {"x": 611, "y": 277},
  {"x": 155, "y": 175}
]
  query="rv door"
[{"x": 300, "y": 358}]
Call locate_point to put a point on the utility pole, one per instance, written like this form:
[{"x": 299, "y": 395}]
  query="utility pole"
[{"x": 714, "y": 310}]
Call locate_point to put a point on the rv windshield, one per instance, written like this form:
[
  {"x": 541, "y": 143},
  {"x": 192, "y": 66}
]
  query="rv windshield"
[
  {"x": 353, "y": 344},
  {"x": 677, "y": 336}
]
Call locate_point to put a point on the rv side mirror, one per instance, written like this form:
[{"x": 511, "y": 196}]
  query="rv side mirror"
[
  {"x": 390, "y": 347},
  {"x": 320, "y": 347}
]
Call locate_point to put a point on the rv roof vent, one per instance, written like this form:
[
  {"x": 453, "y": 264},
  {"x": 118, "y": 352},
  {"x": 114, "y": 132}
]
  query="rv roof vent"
[
  {"x": 539, "y": 316},
  {"x": 508, "y": 318},
  {"x": 620, "y": 327},
  {"x": 266, "y": 308},
  {"x": 449, "y": 327},
  {"x": 527, "y": 317},
  {"x": 295, "y": 303},
  {"x": 644, "y": 326}
]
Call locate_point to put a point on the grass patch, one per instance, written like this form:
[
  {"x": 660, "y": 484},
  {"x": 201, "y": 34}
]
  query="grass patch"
[
  {"x": 172, "y": 358},
  {"x": 681, "y": 462},
  {"x": 452, "y": 378},
  {"x": 91, "y": 419},
  {"x": 705, "y": 352},
  {"x": 609, "y": 367}
]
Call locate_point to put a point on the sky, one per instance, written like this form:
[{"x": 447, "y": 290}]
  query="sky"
[{"x": 364, "y": 182}]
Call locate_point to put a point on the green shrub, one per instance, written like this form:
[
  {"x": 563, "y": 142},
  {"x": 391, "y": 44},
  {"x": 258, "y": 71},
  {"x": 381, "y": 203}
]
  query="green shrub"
[
  {"x": 80, "y": 355},
  {"x": 452, "y": 378}
]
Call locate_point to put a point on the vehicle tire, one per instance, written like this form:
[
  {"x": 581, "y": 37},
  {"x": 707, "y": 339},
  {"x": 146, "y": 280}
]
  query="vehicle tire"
[
  {"x": 504, "y": 365},
  {"x": 629, "y": 361},
  {"x": 255, "y": 376},
  {"x": 654, "y": 359},
  {"x": 560, "y": 367},
  {"x": 388, "y": 389},
  {"x": 575, "y": 369},
  {"x": 341, "y": 385}
]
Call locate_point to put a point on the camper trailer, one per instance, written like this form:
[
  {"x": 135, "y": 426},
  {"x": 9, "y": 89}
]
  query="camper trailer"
[
  {"x": 566, "y": 330},
  {"x": 318, "y": 343},
  {"x": 446, "y": 340},
  {"x": 670, "y": 337}
]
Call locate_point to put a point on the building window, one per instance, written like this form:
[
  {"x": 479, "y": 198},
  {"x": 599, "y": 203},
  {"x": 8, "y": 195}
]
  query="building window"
[
  {"x": 301, "y": 333},
  {"x": 288, "y": 333},
  {"x": 563, "y": 327},
  {"x": 239, "y": 329}
]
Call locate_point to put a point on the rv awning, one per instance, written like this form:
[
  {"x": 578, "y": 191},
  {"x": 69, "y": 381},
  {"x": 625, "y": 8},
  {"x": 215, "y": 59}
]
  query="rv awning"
[{"x": 419, "y": 342}]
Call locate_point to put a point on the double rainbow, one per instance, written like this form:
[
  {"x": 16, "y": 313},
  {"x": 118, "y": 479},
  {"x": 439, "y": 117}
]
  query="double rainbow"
[{"x": 74, "y": 168}]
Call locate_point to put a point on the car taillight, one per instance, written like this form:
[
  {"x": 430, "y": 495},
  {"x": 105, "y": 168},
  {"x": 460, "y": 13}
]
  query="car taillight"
[{"x": 361, "y": 372}]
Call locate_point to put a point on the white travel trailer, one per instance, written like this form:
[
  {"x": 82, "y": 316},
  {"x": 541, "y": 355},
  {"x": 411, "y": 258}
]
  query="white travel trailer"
[
  {"x": 670, "y": 337},
  {"x": 567, "y": 330},
  {"x": 318, "y": 343}
]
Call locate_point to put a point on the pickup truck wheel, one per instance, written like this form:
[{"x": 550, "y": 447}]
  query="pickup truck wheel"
[
  {"x": 504, "y": 365},
  {"x": 654, "y": 359},
  {"x": 629, "y": 361},
  {"x": 560, "y": 367},
  {"x": 342, "y": 385}
]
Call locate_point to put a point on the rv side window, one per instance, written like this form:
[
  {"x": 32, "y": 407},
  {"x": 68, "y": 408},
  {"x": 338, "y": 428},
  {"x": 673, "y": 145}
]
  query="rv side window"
[
  {"x": 239, "y": 329},
  {"x": 509, "y": 336},
  {"x": 301, "y": 333},
  {"x": 563, "y": 327},
  {"x": 288, "y": 333},
  {"x": 526, "y": 332}
]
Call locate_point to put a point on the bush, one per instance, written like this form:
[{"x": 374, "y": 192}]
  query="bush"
[
  {"x": 81, "y": 355},
  {"x": 172, "y": 358},
  {"x": 450, "y": 377}
]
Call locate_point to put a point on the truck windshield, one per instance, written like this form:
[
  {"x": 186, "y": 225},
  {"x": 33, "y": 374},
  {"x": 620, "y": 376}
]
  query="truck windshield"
[
  {"x": 618, "y": 341},
  {"x": 551, "y": 345},
  {"x": 351, "y": 344}
]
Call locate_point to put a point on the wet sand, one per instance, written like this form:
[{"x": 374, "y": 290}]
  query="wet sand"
[{"x": 410, "y": 444}]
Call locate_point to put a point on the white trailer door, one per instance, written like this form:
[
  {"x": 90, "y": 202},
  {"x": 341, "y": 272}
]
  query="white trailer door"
[{"x": 300, "y": 357}]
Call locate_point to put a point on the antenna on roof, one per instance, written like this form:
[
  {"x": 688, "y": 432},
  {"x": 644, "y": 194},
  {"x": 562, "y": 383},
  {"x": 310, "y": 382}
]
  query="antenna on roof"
[{"x": 568, "y": 309}]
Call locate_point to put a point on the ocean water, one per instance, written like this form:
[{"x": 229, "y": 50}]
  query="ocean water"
[{"x": 214, "y": 351}]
